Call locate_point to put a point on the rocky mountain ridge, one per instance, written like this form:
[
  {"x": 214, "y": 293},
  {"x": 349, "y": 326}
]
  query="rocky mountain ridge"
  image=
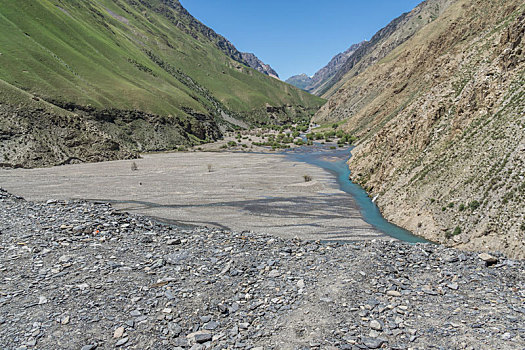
[
  {"x": 362, "y": 55},
  {"x": 441, "y": 126},
  {"x": 254, "y": 62},
  {"x": 315, "y": 83},
  {"x": 194, "y": 27},
  {"x": 384, "y": 41},
  {"x": 301, "y": 81}
]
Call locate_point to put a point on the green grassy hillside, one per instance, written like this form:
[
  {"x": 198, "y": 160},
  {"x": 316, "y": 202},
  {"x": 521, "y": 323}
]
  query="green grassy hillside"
[
  {"x": 129, "y": 54},
  {"x": 144, "y": 74}
]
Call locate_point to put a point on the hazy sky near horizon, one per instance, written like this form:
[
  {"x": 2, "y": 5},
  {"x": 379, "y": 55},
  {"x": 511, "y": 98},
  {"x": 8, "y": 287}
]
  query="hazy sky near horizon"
[{"x": 296, "y": 36}]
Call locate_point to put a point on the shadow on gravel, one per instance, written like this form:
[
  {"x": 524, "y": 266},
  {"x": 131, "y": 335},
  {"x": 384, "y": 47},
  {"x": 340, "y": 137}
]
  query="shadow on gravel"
[
  {"x": 299, "y": 207},
  {"x": 316, "y": 209}
]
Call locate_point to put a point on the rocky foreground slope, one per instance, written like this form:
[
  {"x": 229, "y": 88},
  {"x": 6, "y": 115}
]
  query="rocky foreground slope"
[
  {"x": 441, "y": 127},
  {"x": 79, "y": 275}
]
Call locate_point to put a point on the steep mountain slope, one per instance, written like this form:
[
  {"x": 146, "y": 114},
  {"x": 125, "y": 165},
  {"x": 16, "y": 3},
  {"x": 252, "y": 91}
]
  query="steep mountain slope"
[
  {"x": 133, "y": 59},
  {"x": 441, "y": 124},
  {"x": 194, "y": 28},
  {"x": 383, "y": 42},
  {"x": 325, "y": 74}
]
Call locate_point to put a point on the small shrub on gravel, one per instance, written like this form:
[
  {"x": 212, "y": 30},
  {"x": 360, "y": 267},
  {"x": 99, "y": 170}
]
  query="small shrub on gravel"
[
  {"x": 474, "y": 205},
  {"x": 307, "y": 178},
  {"x": 449, "y": 234}
]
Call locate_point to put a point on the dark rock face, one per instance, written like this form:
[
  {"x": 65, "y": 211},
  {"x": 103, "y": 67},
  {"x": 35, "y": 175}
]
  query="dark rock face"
[
  {"x": 40, "y": 137},
  {"x": 252, "y": 61}
]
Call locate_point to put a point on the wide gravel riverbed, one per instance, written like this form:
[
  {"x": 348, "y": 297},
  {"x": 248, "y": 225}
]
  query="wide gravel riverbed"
[{"x": 264, "y": 193}]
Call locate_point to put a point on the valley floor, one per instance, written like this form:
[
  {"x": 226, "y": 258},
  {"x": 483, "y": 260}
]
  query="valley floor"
[
  {"x": 79, "y": 275},
  {"x": 264, "y": 193}
]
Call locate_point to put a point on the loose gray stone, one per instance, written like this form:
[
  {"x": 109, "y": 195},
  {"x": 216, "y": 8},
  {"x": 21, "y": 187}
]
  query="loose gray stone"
[
  {"x": 122, "y": 342},
  {"x": 89, "y": 347},
  {"x": 373, "y": 343},
  {"x": 108, "y": 280},
  {"x": 374, "y": 324},
  {"x": 488, "y": 259},
  {"x": 203, "y": 337},
  {"x": 211, "y": 325}
]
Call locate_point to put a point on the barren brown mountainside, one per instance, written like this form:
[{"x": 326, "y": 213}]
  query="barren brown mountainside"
[
  {"x": 382, "y": 43},
  {"x": 441, "y": 127}
]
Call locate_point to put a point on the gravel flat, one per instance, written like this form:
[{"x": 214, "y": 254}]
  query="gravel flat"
[
  {"x": 81, "y": 275},
  {"x": 264, "y": 193}
]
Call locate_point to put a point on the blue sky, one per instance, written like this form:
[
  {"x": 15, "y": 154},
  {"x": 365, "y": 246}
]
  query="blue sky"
[{"x": 296, "y": 36}]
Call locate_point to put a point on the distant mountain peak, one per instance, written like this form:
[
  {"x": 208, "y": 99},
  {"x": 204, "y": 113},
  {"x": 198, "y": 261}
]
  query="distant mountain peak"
[
  {"x": 301, "y": 81},
  {"x": 325, "y": 74}
]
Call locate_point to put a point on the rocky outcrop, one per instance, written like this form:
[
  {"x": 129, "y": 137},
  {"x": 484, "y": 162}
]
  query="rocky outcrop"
[
  {"x": 43, "y": 136},
  {"x": 441, "y": 127},
  {"x": 38, "y": 137},
  {"x": 252, "y": 61}
]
